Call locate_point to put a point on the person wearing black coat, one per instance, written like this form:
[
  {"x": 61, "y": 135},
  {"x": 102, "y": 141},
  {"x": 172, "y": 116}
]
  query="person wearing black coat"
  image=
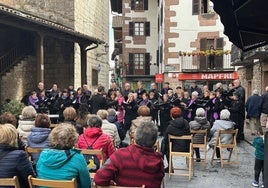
[
  {"x": 178, "y": 126},
  {"x": 98, "y": 101},
  {"x": 264, "y": 108},
  {"x": 130, "y": 106},
  {"x": 13, "y": 162}
]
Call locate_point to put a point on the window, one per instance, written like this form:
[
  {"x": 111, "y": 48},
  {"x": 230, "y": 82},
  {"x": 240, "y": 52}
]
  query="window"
[
  {"x": 139, "y": 28},
  {"x": 201, "y": 7},
  {"x": 139, "y": 64},
  {"x": 139, "y": 5},
  {"x": 95, "y": 77}
]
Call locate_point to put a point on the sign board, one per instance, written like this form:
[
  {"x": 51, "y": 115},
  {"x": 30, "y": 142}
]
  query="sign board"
[
  {"x": 208, "y": 76},
  {"x": 159, "y": 78}
]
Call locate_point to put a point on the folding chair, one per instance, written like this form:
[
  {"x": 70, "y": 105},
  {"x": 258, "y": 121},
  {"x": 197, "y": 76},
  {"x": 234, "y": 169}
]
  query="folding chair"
[
  {"x": 34, "y": 182},
  {"x": 112, "y": 186},
  {"x": 188, "y": 155},
  {"x": 231, "y": 147},
  {"x": 132, "y": 141},
  {"x": 33, "y": 151},
  {"x": 201, "y": 133},
  {"x": 10, "y": 182}
]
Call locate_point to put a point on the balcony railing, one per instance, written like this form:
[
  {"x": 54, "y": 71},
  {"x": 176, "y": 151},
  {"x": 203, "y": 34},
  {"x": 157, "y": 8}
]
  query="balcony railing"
[{"x": 201, "y": 63}]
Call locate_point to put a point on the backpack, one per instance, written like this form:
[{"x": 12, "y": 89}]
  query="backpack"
[{"x": 93, "y": 162}]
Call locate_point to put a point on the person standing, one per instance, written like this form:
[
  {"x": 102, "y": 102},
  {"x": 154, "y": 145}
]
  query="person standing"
[
  {"x": 258, "y": 144},
  {"x": 253, "y": 107},
  {"x": 264, "y": 108},
  {"x": 211, "y": 57},
  {"x": 97, "y": 101}
]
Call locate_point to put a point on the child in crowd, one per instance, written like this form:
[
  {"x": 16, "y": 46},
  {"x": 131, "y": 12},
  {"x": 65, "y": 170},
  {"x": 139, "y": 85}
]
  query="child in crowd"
[{"x": 258, "y": 143}]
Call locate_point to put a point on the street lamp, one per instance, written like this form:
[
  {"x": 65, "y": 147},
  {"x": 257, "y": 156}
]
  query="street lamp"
[{"x": 106, "y": 50}]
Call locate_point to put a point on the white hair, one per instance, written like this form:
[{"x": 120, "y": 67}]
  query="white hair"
[
  {"x": 225, "y": 114},
  {"x": 255, "y": 92},
  {"x": 200, "y": 112},
  {"x": 195, "y": 93}
]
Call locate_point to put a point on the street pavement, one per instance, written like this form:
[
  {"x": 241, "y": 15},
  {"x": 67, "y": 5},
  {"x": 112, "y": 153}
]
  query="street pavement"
[{"x": 212, "y": 175}]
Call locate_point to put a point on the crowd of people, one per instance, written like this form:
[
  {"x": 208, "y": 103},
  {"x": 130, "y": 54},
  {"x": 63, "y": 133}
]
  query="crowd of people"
[{"x": 101, "y": 120}]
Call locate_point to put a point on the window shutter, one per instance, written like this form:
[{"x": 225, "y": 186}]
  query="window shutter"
[
  {"x": 132, "y": 5},
  {"x": 147, "y": 28},
  {"x": 147, "y": 63},
  {"x": 219, "y": 58},
  {"x": 131, "y": 64},
  {"x": 196, "y": 7},
  {"x": 203, "y": 59},
  {"x": 131, "y": 28},
  {"x": 145, "y": 4},
  {"x": 219, "y": 43}
]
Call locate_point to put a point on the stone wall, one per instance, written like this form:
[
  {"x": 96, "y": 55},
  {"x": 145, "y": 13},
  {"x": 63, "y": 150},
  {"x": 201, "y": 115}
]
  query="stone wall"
[
  {"x": 19, "y": 80},
  {"x": 59, "y": 11}
]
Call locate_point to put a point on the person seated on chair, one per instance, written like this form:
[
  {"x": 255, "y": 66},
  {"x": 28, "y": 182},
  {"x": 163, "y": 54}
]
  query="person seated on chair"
[
  {"x": 200, "y": 122},
  {"x": 178, "y": 126},
  {"x": 61, "y": 161},
  {"x": 223, "y": 123},
  {"x": 13, "y": 161},
  {"x": 135, "y": 165}
]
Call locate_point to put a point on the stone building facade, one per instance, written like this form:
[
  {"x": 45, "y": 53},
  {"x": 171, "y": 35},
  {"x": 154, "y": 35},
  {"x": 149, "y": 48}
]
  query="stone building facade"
[{"x": 62, "y": 56}]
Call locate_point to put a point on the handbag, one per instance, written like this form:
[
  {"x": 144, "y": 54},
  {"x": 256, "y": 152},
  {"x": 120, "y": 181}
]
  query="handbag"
[{"x": 93, "y": 162}]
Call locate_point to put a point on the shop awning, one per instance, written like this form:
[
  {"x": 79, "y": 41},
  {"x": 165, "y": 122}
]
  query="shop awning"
[{"x": 244, "y": 22}]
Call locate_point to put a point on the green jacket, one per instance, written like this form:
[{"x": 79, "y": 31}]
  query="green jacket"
[{"x": 259, "y": 146}]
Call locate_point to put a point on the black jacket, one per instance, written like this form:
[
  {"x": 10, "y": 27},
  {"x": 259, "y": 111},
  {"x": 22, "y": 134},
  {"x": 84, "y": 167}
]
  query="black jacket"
[
  {"x": 177, "y": 127},
  {"x": 14, "y": 162},
  {"x": 98, "y": 102},
  {"x": 264, "y": 103}
]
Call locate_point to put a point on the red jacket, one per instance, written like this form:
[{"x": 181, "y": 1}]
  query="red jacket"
[
  {"x": 132, "y": 166},
  {"x": 103, "y": 141}
]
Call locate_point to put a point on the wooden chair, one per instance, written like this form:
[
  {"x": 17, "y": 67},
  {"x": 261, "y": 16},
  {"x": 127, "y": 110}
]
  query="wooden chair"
[
  {"x": 132, "y": 141},
  {"x": 33, "y": 182},
  {"x": 30, "y": 151},
  {"x": 188, "y": 155},
  {"x": 10, "y": 182},
  {"x": 112, "y": 186},
  {"x": 231, "y": 147},
  {"x": 203, "y": 133}
]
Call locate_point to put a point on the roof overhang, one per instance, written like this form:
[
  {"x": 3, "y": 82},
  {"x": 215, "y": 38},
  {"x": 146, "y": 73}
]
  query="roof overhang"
[
  {"x": 244, "y": 22},
  {"x": 26, "y": 21}
]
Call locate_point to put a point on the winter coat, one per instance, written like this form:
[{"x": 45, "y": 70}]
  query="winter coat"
[
  {"x": 111, "y": 130},
  {"x": 259, "y": 147},
  {"x": 132, "y": 166},
  {"x": 253, "y": 106},
  {"x": 103, "y": 141},
  {"x": 199, "y": 123},
  {"x": 130, "y": 112},
  {"x": 98, "y": 102},
  {"x": 14, "y": 162},
  {"x": 57, "y": 164},
  {"x": 113, "y": 119},
  {"x": 176, "y": 127},
  {"x": 264, "y": 103},
  {"x": 38, "y": 138},
  {"x": 136, "y": 122},
  {"x": 221, "y": 125},
  {"x": 25, "y": 128}
]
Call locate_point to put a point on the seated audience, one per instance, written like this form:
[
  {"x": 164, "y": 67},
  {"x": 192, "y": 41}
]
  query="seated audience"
[
  {"x": 26, "y": 122},
  {"x": 38, "y": 138},
  {"x": 109, "y": 128},
  {"x": 178, "y": 126},
  {"x": 13, "y": 162},
  {"x": 223, "y": 123},
  {"x": 61, "y": 161},
  {"x": 93, "y": 135},
  {"x": 134, "y": 165},
  {"x": 81, "y": 119},
  {"x": 200, "y": 122}
]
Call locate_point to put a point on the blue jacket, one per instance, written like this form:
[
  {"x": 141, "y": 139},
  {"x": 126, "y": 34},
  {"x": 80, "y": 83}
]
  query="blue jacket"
[
  {"x": 259, "y": 146},
  {"x": 14, "y": 162},
  {"x": 253, "y": 106},
  {"x": 264, "y": 103},
  {"x": 56, "y": 165},
  {"x": 38, "y": 138}
]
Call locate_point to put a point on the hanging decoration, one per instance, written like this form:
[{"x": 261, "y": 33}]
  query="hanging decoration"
[{"x": 205, "y": 53}]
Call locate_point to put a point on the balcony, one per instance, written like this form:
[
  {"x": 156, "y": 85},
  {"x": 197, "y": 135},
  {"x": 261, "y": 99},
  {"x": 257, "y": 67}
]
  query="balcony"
[{"x": 201, "y": 64}]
